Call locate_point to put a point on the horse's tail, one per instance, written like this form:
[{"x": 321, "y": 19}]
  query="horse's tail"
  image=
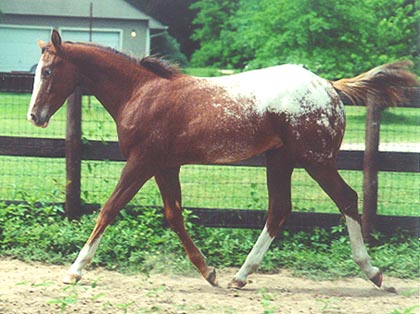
[{"x": 384, "y": 86}]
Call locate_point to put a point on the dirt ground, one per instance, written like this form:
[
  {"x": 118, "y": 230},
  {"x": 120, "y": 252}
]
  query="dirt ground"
[{"x": 37, "y": 288}]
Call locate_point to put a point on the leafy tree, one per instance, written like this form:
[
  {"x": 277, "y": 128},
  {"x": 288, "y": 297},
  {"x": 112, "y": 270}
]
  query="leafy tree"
[
  {"x": 398, "y": 31},
  {"x": 329, "y": 37},
  {"x": 214, "y": 29},
  {"x": 333, "y": 38},
  {"x": 167, "y": 46}
]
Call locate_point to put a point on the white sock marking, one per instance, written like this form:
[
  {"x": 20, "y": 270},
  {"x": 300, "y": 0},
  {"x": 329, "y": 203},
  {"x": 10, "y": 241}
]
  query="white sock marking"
[
  {"x": 84, "y": 257},
  {"x": 360, "y": 254},
  {"x": 255, "y": 256}
]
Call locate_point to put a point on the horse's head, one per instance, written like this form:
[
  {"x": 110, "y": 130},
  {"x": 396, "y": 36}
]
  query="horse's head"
[{"x": 55, "y": 80}]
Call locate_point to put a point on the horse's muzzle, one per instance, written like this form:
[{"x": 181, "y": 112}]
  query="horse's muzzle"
[{"x": 37, "y": 121}]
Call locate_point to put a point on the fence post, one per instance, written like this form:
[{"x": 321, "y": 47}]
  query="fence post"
[
  {"x": 73, "y": 154},
  {"x": 370, "y": 169}
]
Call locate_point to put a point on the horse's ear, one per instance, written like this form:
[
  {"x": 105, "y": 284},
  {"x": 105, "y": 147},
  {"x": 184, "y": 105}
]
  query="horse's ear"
[
  {"x": 56, "y": 39},
  {"x": 41, "y": 44}
]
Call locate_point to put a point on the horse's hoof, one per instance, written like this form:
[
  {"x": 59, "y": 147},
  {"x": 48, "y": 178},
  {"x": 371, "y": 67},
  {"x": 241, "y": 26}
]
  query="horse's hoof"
[
  {"x": 71, "y": 279},
  {"x": 237, "y": 284},
  {"x": 212, "y": 278},
  {"x": 377, "y": 279}
]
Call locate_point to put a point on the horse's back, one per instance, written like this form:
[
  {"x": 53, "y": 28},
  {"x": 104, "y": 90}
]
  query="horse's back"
[
  {"x": 289, "y": 89},
  {"x": 307, "y": 105}
]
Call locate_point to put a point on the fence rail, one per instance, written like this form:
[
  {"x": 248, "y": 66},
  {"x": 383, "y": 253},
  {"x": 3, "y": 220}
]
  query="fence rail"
[
  {"x": 74, "y": 150},
  {"x": 97, "y": 150}
]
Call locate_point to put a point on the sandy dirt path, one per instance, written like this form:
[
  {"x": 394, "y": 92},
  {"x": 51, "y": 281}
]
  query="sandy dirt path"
[{"x": 37, "y": 288}]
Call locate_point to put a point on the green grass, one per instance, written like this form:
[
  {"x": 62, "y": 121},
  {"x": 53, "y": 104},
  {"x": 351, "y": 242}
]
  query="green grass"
[
  {"x": 97, "y": 123},
  {"x": 203, "y": 186},
  {"x": 398, "y": 125},
  {"x": 207, "y": 72},
  {"x": 202, "y": 72}
]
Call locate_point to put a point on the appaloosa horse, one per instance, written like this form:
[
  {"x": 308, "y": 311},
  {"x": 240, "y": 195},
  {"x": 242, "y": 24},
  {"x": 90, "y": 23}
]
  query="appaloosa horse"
[{"x": 166, "y": 119}]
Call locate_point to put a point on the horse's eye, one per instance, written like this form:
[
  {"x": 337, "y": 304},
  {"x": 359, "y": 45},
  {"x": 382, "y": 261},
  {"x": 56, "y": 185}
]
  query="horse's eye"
[{"x": 46, "y": 72}]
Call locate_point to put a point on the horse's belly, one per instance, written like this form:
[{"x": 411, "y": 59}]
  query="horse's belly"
[
  {"x": 227, "y": 135},
  {"x": 231, "y": 151}
]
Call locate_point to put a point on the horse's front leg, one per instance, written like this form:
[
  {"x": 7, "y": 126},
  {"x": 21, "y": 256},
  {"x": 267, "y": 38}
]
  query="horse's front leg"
[
  {"x": 133, "y": 176},
  {"x": 170, "y": 189}
]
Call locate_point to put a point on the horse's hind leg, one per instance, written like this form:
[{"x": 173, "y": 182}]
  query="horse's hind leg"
[
  {"x": 170, "y": 189},
  {"x": 279, "y": 172},
  {"x": 346, "y": 200}
]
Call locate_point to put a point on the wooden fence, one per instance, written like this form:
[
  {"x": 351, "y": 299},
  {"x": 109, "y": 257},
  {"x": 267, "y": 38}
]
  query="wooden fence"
[{"x": 74, "y": 150}]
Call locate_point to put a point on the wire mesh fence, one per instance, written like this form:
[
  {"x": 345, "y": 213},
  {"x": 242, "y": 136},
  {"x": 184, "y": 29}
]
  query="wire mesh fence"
[{"x": 203, "y": 186}]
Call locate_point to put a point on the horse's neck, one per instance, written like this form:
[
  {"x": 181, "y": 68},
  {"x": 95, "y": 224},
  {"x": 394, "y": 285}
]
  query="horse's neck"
[{"x": 110, "y": 77}]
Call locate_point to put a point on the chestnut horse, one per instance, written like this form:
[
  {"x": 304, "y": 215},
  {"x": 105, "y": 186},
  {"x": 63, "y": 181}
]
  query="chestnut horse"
[{"x": 166, "y": 119}]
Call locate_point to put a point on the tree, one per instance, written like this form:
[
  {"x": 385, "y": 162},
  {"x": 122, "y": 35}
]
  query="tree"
[
  {"x": 329, "y": 37},
  {"x": 168, "y": 47},
  {"x": 333, "y": 38},
  {"x": 213, "y": 21},
  {"x": 398, "y": 31}
]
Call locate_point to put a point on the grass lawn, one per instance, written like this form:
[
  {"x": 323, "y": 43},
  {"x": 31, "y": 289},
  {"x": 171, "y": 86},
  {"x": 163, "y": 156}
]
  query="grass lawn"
[
  {"x": 203, "y": 186},
  {"x": 41, "y": 179}
]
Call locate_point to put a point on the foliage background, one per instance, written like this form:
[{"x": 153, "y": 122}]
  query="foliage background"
[
  {"x": 138, "y": 241},
  {"x": 335, "y": 39}
]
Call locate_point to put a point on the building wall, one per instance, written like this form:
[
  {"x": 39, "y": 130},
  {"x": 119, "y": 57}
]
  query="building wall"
[{"x": 137, "y": 46}]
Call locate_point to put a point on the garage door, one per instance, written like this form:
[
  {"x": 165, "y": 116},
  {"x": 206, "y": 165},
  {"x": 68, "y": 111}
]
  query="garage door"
[
  {"x": 109, "y": 38},
  {"x": 20, "y": 51}
]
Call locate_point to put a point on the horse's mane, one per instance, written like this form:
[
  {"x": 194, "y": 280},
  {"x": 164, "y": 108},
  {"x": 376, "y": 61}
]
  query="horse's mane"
[
  {"x": 159, "y": 66},
  {"x": 154, "y": 64}
]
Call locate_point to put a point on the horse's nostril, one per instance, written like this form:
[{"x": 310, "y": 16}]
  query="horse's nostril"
[{"x": 33, "y": 117}]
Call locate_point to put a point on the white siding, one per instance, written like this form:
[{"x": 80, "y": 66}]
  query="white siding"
[
  {"x": 106, "y": 37},
  {"x": 19, "y": 49}
]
